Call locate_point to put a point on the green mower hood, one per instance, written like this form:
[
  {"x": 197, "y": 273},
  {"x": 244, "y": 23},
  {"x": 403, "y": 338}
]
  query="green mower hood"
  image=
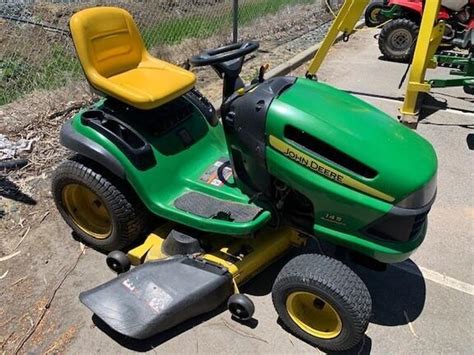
[{"x": 351, "y": 142}]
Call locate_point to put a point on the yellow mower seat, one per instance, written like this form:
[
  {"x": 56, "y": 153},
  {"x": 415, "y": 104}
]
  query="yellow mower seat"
[{"x": 116, "y": 62}]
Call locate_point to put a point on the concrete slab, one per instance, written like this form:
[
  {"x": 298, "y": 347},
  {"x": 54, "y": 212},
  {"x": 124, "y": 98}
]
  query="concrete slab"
[
  {"x": 357, "y": 66},
  {"x": 410, "y": 315}
]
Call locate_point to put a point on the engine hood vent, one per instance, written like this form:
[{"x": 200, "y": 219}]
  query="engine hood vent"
[{"x": 319, "y": 148}]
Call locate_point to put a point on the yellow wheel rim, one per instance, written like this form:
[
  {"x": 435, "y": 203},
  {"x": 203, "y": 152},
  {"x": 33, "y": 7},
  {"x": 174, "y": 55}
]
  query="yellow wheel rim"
[
  {"x": 314, "y": 315},
  {"x": 87, "y": 210},
  {"x": 374, "y": 14}
]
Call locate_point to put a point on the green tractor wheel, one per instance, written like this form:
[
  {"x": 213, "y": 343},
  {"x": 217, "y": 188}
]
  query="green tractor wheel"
[
  {"x": 397, "y": 39},
  {"x": 373, "y": 16},
  {"x": 102, "y": 210},
  {"x": 322, "y": 301}
]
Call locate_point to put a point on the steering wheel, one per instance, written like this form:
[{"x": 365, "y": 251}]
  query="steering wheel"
[{"x": 224, "y": 53}]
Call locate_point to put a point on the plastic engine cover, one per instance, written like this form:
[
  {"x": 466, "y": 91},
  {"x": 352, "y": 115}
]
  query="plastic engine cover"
[{"x": 156, "y": 296}]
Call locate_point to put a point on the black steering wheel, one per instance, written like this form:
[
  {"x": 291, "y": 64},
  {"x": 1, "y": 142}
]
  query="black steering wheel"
[{"x": 224, "y": 53}]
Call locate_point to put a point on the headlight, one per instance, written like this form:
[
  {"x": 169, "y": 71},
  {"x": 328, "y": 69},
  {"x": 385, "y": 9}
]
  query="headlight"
[
  {"x": 407, "y": 219},
  {"x": 421, "y": 197}
]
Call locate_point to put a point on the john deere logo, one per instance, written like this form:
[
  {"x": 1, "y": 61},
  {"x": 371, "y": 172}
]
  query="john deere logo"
[
  {"x": 325, "y": 170},
  {"x": 313, "y": 165}
]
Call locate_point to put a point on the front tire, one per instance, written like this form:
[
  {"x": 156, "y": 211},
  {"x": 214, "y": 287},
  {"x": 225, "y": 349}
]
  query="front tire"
[
  {"x": 372, "y": 15},
  {"x": 397, "y": 40},
  {"x": 101, "y": 209},
  {"x": 322, "y": 301}
]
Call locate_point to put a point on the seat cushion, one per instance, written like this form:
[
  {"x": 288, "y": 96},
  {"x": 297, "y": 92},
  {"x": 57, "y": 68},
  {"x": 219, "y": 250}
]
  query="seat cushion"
[
  {"x": 116, "y": 62},
  {"x": 150, "y": 85}
]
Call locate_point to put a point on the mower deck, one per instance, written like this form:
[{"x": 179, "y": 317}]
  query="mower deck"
[
  {"x": 242, "y": 257},
  {"x": 163, "y": 291}
]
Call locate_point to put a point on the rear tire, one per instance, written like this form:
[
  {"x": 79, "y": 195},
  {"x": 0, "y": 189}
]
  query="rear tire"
[
  {"x": 101, "y": 209},
  {"x": 397, "y": 39},
  {"x": 322, "y": 301},
  {"x": 372, "y": 14}
]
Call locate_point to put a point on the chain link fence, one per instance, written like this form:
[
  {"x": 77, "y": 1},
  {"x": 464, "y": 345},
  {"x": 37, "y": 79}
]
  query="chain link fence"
[{"x": 36, "y": 52}]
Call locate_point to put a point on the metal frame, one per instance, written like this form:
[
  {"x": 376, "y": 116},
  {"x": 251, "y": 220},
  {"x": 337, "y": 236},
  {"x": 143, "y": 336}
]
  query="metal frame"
[
  {"x": 344, "y": 22},
  {"x": 242, "y": 257},
  {"x": 465, "y": 69},
  {"x": 429, "y": 38}
]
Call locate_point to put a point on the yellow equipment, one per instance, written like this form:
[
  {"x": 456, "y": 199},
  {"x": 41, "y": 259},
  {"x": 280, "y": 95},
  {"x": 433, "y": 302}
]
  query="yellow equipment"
[
  {"x": 241, "y": 257},
  {"x": 344, "y": 22},
  {"x": 429, "y": 38}
]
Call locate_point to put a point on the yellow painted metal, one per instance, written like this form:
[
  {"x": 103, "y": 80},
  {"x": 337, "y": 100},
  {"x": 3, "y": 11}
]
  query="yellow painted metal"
[
  {"x": 150, "y": 249},
  {"x": 246, "y": 257},
  {"x": 429, "y": 39},
  {"x": 314, "y": 315},
  {"x": 87, "y": 210},
  {"x": 344, "y": 22},
  {"x": 155, "y": 252},
  {"x": 242, "y": 257}
]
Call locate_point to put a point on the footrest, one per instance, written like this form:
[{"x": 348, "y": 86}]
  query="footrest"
[{"x": 210, "y": 207}]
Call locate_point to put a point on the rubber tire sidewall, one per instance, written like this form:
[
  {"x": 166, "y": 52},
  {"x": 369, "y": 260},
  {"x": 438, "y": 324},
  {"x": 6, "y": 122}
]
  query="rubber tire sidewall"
[
  {"x": 469, "y": 89},
  {"x": 326, "y": 295},
  {"x": 350, "y": 334},
  {"x": 88, "y": 176},
  {"x": 372, "y": 6},
  {"x": 387, "y": 30}
]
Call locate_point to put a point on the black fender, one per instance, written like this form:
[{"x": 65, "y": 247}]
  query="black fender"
[{"x": 80, "y": 144}]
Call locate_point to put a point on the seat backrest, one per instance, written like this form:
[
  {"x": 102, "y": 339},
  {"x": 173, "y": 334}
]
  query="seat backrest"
[{"x": 107, "y": 41}]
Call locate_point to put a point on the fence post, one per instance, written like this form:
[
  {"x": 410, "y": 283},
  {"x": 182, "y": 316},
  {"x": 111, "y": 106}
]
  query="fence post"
[{"x": 235, "y": 25}]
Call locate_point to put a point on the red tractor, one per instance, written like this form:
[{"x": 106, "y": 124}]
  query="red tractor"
[{"x": 398, "y": 36}]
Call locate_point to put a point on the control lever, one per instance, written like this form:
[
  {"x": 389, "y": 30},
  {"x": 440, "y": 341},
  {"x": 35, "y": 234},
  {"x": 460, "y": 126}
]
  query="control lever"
[{"x": 262, "y": 71}]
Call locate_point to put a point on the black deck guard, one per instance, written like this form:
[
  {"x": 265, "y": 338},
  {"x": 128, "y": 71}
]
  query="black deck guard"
[{"x": 156, "y": 296}]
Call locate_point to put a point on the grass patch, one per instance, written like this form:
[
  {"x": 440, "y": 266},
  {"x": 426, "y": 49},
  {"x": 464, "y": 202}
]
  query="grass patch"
[
  {"x": 172, "y": 31},
  {"x": 19, "y": 76}
]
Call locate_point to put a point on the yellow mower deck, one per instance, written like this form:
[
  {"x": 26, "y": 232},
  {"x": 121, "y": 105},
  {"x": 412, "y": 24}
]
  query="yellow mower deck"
[{"x": 243, "y": 258}]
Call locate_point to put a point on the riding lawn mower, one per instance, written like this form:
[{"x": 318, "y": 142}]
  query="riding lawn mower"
[
  {"x": 201, "y": 204},
  {"x": 398, "y": 36}
]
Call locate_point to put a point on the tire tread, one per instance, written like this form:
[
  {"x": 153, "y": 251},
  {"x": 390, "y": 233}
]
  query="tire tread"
[
  {"x": 124, "y": 205},
  {"x": 334, "y": 277},
  {"x": 383, "y": 38}
]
